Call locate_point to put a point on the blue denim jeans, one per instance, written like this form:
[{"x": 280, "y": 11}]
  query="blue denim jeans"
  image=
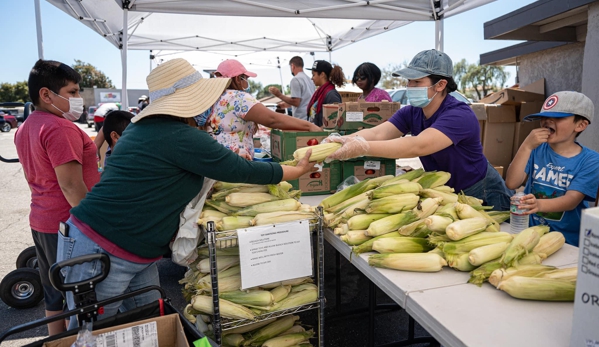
[
  {"x": 492, "y": 190},
  {"x": 124, "y": 276}
]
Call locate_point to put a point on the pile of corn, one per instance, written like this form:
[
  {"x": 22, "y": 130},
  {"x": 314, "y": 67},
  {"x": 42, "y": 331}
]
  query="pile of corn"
[
  {"x": 235, "y": 206},
  {"x": 416, "y": 223},
  {"x": 248, "y": 304}
]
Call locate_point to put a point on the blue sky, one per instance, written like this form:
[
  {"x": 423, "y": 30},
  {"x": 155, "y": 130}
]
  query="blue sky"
[{"x": 65, "y": 39}]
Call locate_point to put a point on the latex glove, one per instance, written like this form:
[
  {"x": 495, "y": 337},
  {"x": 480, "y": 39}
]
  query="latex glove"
[{"x": 352, "y": 146}]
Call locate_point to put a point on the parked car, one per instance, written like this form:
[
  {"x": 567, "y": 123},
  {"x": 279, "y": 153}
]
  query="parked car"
[
  {"x": 400, "y": 95},
  {"x": 18, "y": 109},
  {"x": 7, "y": 122},
  {"x": 90, "y": 116},
  {"x": 101, "y": 113}
]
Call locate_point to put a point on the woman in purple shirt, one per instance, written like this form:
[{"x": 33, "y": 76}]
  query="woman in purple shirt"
[
  {"x": 445, "y": 132},
  {"x": 366, "y": 76}
]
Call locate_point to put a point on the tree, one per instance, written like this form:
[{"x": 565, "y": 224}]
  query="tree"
[
  {"x": 459, "y": 70},
  {"x": 388, "y": 81},
  {"x": 255, "y": 87},
  {"x": 90, "y": 76},
  {"x": 18, "y": 92},
  {"x": 264, "y": 91},
  {"x": 483, "y": 79}
]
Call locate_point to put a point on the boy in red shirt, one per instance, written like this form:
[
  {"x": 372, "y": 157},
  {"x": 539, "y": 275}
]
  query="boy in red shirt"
[{"x": 59, "y": 163}]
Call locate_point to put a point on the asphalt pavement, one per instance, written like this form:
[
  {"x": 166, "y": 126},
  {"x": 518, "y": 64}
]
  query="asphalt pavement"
[{"x": 349, "y": 331}]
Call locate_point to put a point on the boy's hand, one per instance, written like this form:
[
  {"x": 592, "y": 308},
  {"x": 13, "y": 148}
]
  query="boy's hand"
[
  {"x": 536, "y": 138},
  {"x": 530, "y": 203},
  {"x": 305, "y": 165}
]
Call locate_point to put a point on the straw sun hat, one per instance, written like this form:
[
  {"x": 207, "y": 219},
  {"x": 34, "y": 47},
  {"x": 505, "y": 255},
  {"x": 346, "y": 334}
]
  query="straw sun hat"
[{"x": 177, "y": 89}]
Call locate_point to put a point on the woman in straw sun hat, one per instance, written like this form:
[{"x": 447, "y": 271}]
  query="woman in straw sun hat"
[{"x": 158, "y": 167}]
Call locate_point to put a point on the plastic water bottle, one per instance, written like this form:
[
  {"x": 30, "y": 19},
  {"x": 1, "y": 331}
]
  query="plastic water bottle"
[{"x": 518, "y": 220}]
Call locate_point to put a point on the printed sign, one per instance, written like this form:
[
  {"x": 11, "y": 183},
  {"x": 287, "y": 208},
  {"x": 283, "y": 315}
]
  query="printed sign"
[
  {"x": 143, "y": 335},
  {"x": 354, "y": 116},
  {"x": 273, "y": 253},
  {"x": 110, "y": 97},
  {"x": 372, "y": 164}
]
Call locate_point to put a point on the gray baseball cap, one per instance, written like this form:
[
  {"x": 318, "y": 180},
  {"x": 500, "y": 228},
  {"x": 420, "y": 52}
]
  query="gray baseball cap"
[
  {"x": 425, "y": 63},
  {"x": 565, "y": 104}
]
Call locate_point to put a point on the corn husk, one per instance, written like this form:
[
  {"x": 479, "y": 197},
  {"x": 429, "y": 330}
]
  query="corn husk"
[
  {"x": 550, "y": 243},
  {"x": 272, "y": 206},
  {"x": 409, "y": 176},
  {"x": 250, "y": 327},
  {"x": 228, "y": 309},
  {"x": 355, "y": 237},
  {"x": 433, "y": 179},
  {"x": 271, "y": 330},
  {"x": 394, "y": 189},
  {"x": 522, "y": 270},
  {"x": 233, "y": 340},
  {"x": 401, "y": 245},
  {"x": 296, "y": 299},
  {"x": 341, "y": 228},
  {"x": 348, "y": 193},
  {"x": 542, "y": 289},
  {"x": 446, "y": 197},
  {"x": 367, "y": 245},
  {"x": 251, "y": 298},
  {"x": 362, "y": 221},
  {"x": 288, "y": 340},
  {"x": 481, "y": 274},
  {"x": 523, "y": 243},
  {"x": 438, "y": 224},
  {"x": 426, "y": 207},
  {"x": 461, "y": 229},
  {"x": 280, "y": 217},
  {"x": 389, "y": 224},
  {"x": 475, "y": 241},
  {"x": 483, "y": 254},
  {"x": 280, "y": 292},
  {"x": 248, "y": 199},
  {"x": 459, "y": 262},
  {"x": 233, "y": 223},
  {"x": 419, "y": 262},
  {"x": 222, "y": 263},
  {"x": 393, "y": 204},
  {"x": 567, "y": 274},
  {"x": 345, "y": 204},
  {"x": 409, "y": 229}
]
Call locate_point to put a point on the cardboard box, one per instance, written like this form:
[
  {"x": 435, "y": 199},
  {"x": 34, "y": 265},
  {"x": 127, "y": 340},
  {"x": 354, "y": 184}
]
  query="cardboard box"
[
  {"x": 368, "y": 168},
  {"x": 537, "y": 86},
  {"x": 511, "y": 96},
  {"x": 330, "y": 113},
  {"x": 284, "y": 143},
  {"x": 524, "y": 128},
  {"x": 360, "y": 115},
  {"x": 349, "y": 96},
  {"x": 586, "y": 301},
  {"x": 481, "y": 114},
  {"x": 498, "y": 137},
  {"x": 500, "y": 170},
  {"x": 319, "y": 183},
  {"x": 169, "y": 329}
]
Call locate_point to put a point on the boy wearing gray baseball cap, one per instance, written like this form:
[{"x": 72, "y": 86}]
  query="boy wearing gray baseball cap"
[{"x": 561, "y": 175}]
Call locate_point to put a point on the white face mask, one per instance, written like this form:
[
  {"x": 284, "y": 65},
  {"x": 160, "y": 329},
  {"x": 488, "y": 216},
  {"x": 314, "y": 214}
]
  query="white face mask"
[{"x": 75, "y": 108}]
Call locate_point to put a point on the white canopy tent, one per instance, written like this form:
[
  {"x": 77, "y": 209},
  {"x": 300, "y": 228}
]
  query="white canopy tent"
[{"x": 251, "y": 25}]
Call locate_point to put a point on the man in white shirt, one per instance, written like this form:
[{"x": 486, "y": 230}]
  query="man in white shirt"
[{"x": 302, "y": 89}]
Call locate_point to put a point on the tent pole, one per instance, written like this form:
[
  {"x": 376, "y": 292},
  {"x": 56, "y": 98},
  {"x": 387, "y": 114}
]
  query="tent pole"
[
  {"x": 330, "y": 57},
  {"x": 38, "y": 25},
  {"x": 280, "y": 75},
  {"x": 124, "y": 98},
  {"x": 439, "y": 35}
]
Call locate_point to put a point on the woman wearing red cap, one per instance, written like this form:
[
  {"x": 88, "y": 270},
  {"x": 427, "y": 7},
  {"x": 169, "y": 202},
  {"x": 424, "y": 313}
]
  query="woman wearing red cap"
[{"x": 233, "y": 119}]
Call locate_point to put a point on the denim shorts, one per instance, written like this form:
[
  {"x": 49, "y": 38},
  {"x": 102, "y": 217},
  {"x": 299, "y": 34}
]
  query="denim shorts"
[
  {"x": 124, "y": 276},
  {"x": 492, "y": 190}
]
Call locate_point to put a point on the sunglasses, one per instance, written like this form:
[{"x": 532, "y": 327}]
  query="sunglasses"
[{"x": 361, "y": 78}]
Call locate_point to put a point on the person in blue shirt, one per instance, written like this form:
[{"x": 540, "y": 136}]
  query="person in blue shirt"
[{"x": 561, "y": 175}]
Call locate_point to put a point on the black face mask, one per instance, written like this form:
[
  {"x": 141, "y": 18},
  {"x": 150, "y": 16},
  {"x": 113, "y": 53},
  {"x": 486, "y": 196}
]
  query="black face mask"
[{"x": 292, "y": 74}]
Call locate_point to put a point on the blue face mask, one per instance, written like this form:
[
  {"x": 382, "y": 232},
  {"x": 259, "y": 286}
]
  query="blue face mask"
[
  {"x": 418, "y": 96},
  {"x": 247, "y": 90}
]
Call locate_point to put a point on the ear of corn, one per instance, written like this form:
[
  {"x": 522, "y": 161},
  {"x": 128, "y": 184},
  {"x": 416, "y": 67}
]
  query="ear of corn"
[
  {"x": 409, "y": 229},
  {"x": 446, "y": 197},
  {"x": 530, "y": 259},
  {"x": 567, "y": 274},
  {"x": 446, "y": 189},
  {"x": 271, "y": 206},
  {"x": 222, "y": 263},
  {"x": 393, "y": 204},
  {"x": 190, "y": 317},
  {"x": 355, "y": 237},
  {"x": 389, "y": 224},
  {"x": 204, "y": 252},
  {"x": 362, "y": 221},
  {"x": 248, "y": 199},
  {"x": 523, "y": 243},
  {"x": 448, "y": 211},
  {"x": 280, "y": 292},
  {"x": 280, "y": 217},
  {"x": 221, "y": 195},
  {"x": 419, "y": 262},
  {"x": 410, "y": 175},
  {"x": 233, "y": 223},
  {"x": 426, "y": 207},
  {"x": 205, "y": 281},
  {"x": 437, "y": 224},
  {"x": 252, "y": 298},
  {"x": 475, "y": 241},
  {"x": 212, "y": 213},
  {"x": 481, "y": 274},
  {"x": 394, "y": 189},
  {"x": 550, "y": 243},
  {"x": 543, "y": 289},
  {"x": 367, "y": 245},
  {"x": 344, "y": 204},
  {"x": 433, "y": 179},
  {"x": 296, "y": 299},
  {"x": 204, "y": 221},
  {"x": 296, "y": 281},
  {"x": 483, "y": 254},
  {"x": 522, "y": 270},
  {"x": 271, "y": 330},
  {"x": 319, "y": 152},
  {"x": 233, "y": 340},
  {"x": 401, "y": 245},
  {"x": 465, "y": 211},
  {"x": 203, "y": 303},
  {"x": 459, "y": 262},
  {"x": 227, "y": 284},
  {"x": 288, "y": 340},
  {"x": 499, "y": 216},
  {"x": 343, "y": 228},
  {"x": 222, "y": 206},
  {"x": 493, "y": 225},
  {"x": 461, "y": 229},
  {"x": 347, "y": 193},
  {"x": 294, "y": 329},
  {"x": 354, "y": 209},
  {"x": 250, "y": 327},
  {"x": 304, "y": 286}
]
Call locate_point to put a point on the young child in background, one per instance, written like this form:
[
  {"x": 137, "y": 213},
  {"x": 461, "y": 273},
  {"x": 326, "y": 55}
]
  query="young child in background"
[
  {"x": 113, "y": 127},
  {"x": 562, "y": 174}
]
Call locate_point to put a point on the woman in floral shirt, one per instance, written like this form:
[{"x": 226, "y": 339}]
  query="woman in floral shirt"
[{"x": 234, "y": 119}]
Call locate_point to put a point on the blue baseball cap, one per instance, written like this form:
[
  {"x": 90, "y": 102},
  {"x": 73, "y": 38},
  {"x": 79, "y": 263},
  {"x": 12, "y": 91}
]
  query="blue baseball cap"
[
  {"x": 426, "y": 63},
  {"x": 565, "y": 104}
]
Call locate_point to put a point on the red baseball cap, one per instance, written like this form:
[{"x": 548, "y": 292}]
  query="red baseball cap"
[{"x": 231, "y": 68}]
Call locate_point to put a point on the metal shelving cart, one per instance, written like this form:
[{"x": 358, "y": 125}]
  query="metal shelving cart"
[{"x": 225, "y": 239}]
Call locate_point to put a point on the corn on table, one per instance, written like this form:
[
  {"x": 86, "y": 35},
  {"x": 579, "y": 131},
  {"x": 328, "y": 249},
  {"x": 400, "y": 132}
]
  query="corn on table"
[{"x": 460, "y": 314}]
